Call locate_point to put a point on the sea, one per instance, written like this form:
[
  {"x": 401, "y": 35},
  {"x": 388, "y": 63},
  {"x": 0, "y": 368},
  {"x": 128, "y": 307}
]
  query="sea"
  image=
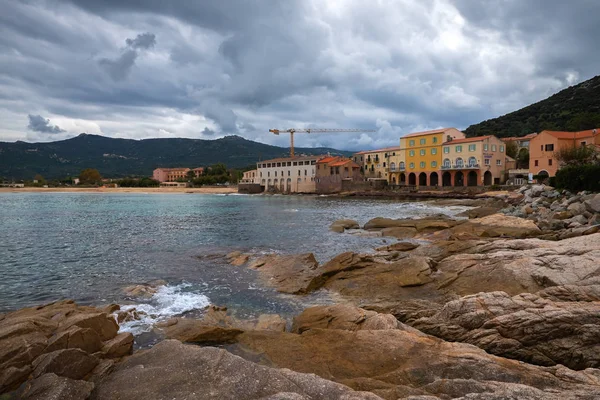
[{"x": 89, "y": 246}]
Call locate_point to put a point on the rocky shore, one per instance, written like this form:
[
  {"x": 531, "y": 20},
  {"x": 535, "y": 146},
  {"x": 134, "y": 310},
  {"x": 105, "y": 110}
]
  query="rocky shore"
[{"x": 502, "y": 302}]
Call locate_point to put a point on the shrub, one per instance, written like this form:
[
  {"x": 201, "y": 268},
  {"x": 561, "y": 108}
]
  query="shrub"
[{"x": 576, "y": 178}]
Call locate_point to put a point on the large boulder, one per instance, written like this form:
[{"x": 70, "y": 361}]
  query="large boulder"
[
  {"x": 422, "y": 225},
  {"x": 343, "y": 317},
  {"x": 396, "y": 363},
  {"x": 53, "y": 387},
  {"x": 293, "y": 274},
  {"x": 103, "y": 324},
  {"x": 525, "y": 327},
  {"x": 497, "y": 225},
  {"x": 119, "y": 346},
  {"x": 70, "y": 363},
  {"x": 177, "y": 371},
  {"x": 593, "y": 204}
]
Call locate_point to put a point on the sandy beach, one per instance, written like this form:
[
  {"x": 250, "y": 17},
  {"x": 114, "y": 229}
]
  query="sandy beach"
[{"x": 165, "y": 190}]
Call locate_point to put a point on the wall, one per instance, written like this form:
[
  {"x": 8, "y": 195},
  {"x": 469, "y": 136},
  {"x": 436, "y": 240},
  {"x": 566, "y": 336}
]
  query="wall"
[
  {"x": 537, "y": 152},
  {"x": 297, "y": 178}
]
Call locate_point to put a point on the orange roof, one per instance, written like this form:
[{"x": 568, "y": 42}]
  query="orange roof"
[
  {"x": 344, "y": 162},
  {"x": 469, "y": 140},
  {"x": 380, "y": 150},
  {"x": 441, "y": 130},
  {"x": 327, "y": 160},
  {"x": 573, "y": 135},
  {"x": 513, "y": 138}
]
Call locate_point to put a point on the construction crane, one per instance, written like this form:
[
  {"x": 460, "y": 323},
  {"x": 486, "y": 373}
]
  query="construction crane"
[{"x": 292, "y": 131}]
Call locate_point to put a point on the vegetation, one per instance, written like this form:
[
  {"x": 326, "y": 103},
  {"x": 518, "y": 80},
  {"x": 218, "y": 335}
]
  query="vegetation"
[
  {"x": 135, "y": 182},
  {"x": 577, "y": 155},
  {"x": 523, "y": 158},
  {"x": 217, "y": 174},
  {"x": 90, "y": 176},
  {"x": 573, "y": 109},
  {"x": 512, "y": 149},
  {"x": 576, "y": 178},
  {"x": 121, "y": 158}
]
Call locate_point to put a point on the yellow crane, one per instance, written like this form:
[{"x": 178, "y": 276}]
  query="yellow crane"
[{"x": 313, "y": 130}]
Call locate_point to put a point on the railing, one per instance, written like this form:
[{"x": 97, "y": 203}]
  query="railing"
[{"x": 460, "y": 166}]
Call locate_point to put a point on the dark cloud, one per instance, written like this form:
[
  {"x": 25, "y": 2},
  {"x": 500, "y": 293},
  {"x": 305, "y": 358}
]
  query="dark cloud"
[
  {"x": 235, "y": 67},
  {"x": 37, "y": 123},
  {"x": 142, "y": 41}
]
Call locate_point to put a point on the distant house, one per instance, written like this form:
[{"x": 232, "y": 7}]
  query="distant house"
[
  {"x": 522, "y": 141},
  {"x": 542, "y": 148},
  {"x": 174, "y": 174},
  {"x": 332, "y": 171},
  {"x": 250, "y": 177}
]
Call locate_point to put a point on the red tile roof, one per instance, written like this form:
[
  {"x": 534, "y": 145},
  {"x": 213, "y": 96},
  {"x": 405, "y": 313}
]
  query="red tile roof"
[
  {"x": 327, "y": 160},
  {"x": 513, "y": 138},
  {"x": 468, "y": 140},
  {"x": 344, "y": 162},
  {"x": 573, "y": 135},
  {"x": 441, "y": 130}
]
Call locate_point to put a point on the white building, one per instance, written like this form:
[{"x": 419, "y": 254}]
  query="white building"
[{"x": 288, "y": 175}]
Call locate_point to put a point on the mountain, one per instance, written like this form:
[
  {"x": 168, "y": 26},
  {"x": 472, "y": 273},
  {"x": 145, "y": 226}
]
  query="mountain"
[
  {"x": 573, "y": 109},
  {"x": 125, "y": 157}
]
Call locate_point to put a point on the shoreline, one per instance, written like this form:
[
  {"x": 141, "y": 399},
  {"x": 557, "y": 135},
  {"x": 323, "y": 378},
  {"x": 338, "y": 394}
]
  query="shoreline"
[{"x": 159, "y": 190}]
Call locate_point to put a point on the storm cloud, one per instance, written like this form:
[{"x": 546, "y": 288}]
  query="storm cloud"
[
  {"x": 207, "y": 69},
  {"x": 37, "y": 123}
]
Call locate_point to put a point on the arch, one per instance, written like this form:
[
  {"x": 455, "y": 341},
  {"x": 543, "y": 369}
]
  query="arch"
[
  {"x": 269, "y": 182},
  {"x": 459, "y": 179},
  {"x": 472, "y": 178},
  {"x": 472, "y": 161},
  {"x": 412, "y": 179},
  {"x": 379, "y": 174},
  {"x": 433, "y": 179},
  {"x": 275, "y": 182},
  {"x": 447, "y": 178},
  {"x": 262, "y": 182},
  {"x": 402, "y": 179},
  {"x": 422, "y": 179},
  {"x": 459, "y": 163},
  {"x": 487, "y": 178},
  {"x": 446, "y": 163},
  {"x": 393, "y": 180}
]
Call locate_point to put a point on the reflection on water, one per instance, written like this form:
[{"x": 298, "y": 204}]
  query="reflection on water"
[{"x": 88, "y": 246}]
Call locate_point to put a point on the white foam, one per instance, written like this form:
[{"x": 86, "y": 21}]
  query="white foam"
[{"x": 167, "y": 302}]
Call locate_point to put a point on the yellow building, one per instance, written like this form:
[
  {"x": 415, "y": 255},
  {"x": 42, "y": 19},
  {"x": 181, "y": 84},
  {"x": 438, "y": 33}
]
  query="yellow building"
[
  {"x": 423, "y": 156},
  {"x": 376, "y": 163}
]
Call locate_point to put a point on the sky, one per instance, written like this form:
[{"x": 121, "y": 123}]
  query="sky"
[{"x": 206, "y": 69}]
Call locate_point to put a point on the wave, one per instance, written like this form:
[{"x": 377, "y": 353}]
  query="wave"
[{"x": 167, "y": 302}]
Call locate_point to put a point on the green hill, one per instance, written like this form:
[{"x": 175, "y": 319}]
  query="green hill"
[
  {"x": 573, "y": 109},
  {"x": 116, "y": 158}
]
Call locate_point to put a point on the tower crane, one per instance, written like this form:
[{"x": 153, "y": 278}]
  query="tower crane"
[{"x": 311, "y": 130}]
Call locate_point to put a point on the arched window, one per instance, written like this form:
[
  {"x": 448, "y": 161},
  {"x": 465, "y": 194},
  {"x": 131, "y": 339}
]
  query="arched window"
[
  {"x": 446, "y": 163},
  {"x": 472, "y": 161},
  {"x": 402, "y": 165},
  {"x": 459, "y": 162},
  {"x": 392, "y": 166}
]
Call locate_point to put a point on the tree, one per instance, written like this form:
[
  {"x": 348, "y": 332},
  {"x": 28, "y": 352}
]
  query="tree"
[
  {"x": 191, "y": 175},
  {"x": 512, "y": 149},
  {"x": 90, "y": 176},
  {"x": 577, "y": 155},
  {"x": 39, "y": 178},
  {"x": 523, "y": 158}
]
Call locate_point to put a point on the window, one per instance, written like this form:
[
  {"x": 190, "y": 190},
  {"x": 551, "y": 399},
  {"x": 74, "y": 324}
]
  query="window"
[
  {"x": 384, "y": 164},
  {"x": 550, "y": 161},
  {"x": 289, "y": 173},
  {"x": 434, "y": 139},
  {"x": 472, "y": 161},
  {"x": 583, "y": 144},
  {"x": 392, "y": 166},
  {"x": 498, "y": 162},
  {"x": 549, "y": 147},
  {"x": 393, "y": 154},
  {"x": 305, "y": 173},
  {"x": 422, "y": 152},
  {"x": 422, "y": 141},
  {"x": 402, "y": 164},
  {"x": 458, "y": 149},
  {"x": 536, "y": 163},
  {"x": 459, "y": 162},
  {"x": 385, "y": 155},
  {"x": 542, "y": 147},
  {"x": 433, "y": 151},
  {"x": 279, "y": 164},
  {"x": 422, "y": 164},
  {"x": 345, "y": 169},
  {"x": 446, "y": 150},
  {"x": 486, "y": 161},
  {"x": 471, "y": 147},
  {"x": 289, "y": 163},
  {"x": 446, "y": 163},
  {"x": 485, "y": 147},
  {"x": 501, "y": 148},
  {"x": 411, "y": 165},
  {"x": 411, "y": 143},
  {"x": 268, "y": 174},
  {"x": 493, "y": 147},
  {"x": 411, "y": 153},
  {"x": 433, "y": 164},
  {"x": 295, "y": 163},
  {"x": 298, "y": 172},
  {"x": 313, "y": 162}
]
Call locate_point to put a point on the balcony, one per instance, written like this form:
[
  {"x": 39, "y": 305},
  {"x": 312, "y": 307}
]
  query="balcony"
[{"x": 460, "y": 166}]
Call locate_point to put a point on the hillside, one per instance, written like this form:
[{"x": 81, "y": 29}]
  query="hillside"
[
  {"x": 126, "y": 157},
  {"x": 573, "y": 109}
]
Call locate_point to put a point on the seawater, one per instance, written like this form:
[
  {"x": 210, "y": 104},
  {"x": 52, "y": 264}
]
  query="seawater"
[{"x": 88, "y": 246}]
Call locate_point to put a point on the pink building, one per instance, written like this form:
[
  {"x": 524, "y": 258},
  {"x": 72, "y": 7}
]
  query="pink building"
[{"x": 174, "y": 174}]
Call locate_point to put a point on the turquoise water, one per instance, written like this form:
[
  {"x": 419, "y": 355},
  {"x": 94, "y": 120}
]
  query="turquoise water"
[{"x": 87, "y": 247}]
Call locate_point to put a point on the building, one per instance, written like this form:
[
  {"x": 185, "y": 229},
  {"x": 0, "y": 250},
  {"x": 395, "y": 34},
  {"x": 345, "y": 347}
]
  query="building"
[
  {"x": 375, "y": 163},
  {"x": 542, "y": 148},
  {"x": 174, "y": 174},
  {"x": 332, "y": 171},
  {"x": 423, "y": 153},
  {"x": 473, "y": 161},
  {"x": 521, "y": 142},
  {"x": 250, "y": 177},
  {"x": 288, "y": 175}
]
